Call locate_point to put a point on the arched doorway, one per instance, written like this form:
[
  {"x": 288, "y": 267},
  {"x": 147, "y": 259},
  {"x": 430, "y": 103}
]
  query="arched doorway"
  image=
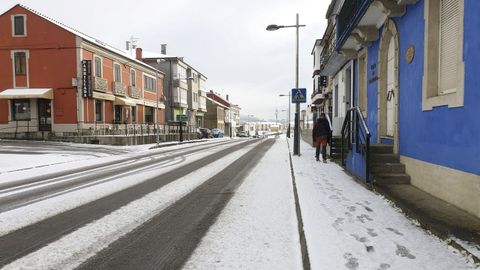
[{"x": 388, "y": 85}]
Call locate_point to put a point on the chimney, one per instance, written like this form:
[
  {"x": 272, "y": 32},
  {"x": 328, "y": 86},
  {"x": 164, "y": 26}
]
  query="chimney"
[
  {"x": 164, "y": 49},
  {"x": 227, "y": 97},
  {"x": 138, "y": 54}
]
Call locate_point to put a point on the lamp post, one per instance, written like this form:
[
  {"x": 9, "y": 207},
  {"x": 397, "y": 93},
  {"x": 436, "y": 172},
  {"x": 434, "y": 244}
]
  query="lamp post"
[
  {"x": 248, "y": 122},
  {"x": 296, "y": 141},
  {"x": 289, "y": 102},
  {"x": 156, "y": 107}
]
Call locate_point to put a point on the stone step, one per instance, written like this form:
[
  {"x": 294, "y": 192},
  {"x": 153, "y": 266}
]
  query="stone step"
[
  {"x": 388, "y": 168},
  {"x": 384, "y": 158},
  {"x": 392, "y": 178},
  {"x": 381, "y": 149}
]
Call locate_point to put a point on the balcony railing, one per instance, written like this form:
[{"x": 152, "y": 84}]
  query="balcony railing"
[
  {"x": 329, "y": 49},
  {"x": 349, "y": 17},
  {"x": 119, "y": 89},
  {"x": 134, "y": 92},
  {"x": 100, "y": 84}
]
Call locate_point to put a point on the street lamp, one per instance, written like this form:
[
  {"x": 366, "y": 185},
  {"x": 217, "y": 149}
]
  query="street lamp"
[
  {"x": 289, "y": 102},
  {"x": 296, "y": 141}
]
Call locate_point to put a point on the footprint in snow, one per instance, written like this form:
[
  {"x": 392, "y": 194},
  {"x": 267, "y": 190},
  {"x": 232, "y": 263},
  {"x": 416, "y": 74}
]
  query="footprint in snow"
[
  {"x": 372, "y": 232},
  {"x": 403, "y": 252},
  {"x": 364, "y": 217},
  {"x": 337, "y": 223},
  {"x": 366, "y": 207},
  {"x": 351, "y": 208},
  {"x": 384, "y": 266},
  {"x": 352, "y": 262},
  {"x": 395, "y": 231},
  {"x": 359, "y": 239},
  {"x": 350, "y": 217}
]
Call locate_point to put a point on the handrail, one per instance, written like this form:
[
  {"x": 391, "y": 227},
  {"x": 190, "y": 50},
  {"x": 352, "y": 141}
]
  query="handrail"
[
  {"x": 351, "y": 125},
  {"x": 331, "y": 131},
  {"x": 362, "y": 119}
]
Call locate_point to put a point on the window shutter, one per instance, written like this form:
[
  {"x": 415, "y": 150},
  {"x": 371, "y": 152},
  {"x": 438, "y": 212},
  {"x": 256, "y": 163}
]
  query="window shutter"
[{"x": 449, "y": 47}]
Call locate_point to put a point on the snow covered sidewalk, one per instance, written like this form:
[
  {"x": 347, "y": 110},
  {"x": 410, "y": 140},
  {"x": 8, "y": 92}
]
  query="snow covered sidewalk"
[
  {"x": 350, "y": 227},
  {"x": 258, "y": 227}
]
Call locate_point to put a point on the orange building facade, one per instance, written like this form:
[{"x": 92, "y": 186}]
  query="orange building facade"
[{"x": 44, "y": 87}]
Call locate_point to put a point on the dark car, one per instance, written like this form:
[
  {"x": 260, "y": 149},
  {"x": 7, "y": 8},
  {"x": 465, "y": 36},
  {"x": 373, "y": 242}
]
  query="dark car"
[{"x": 206, "y": 133}]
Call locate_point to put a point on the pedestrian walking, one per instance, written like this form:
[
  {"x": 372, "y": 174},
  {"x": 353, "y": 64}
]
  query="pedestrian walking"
[{"x": 320, "y": 136}]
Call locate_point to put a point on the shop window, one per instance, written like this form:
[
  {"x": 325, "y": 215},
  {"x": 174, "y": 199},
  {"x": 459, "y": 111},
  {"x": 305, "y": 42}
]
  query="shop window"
[
  {"x": 149, "y": 113},
  {"x": 20, "y": 63},
  {"x": 134, "y": 114},
  {"x": 98, "y": 110},
  {"x": 21, "y": 109},
  {"x": 444, "y": 69},
  {"x": 19, "y": 27}
]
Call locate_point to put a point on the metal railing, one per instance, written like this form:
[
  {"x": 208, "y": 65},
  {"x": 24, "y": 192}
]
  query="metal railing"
[
  {"x": 189, "y": 132},
  {"x": 355, "y": 131}
]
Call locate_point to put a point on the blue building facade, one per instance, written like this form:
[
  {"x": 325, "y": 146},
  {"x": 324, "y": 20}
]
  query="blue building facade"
[{"x": 416, "y": 72}]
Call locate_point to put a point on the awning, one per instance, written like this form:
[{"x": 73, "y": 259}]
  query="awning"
[
  {"x": 103, "y": 96},
  {"x": 150, "y": 103},
  {"x": 124, "y": 101},
  {"x": 18, "y": 93}
]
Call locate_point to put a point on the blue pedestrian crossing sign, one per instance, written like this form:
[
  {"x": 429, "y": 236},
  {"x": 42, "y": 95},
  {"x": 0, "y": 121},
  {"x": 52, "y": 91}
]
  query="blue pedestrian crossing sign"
[{"x": 299, "y": 95}]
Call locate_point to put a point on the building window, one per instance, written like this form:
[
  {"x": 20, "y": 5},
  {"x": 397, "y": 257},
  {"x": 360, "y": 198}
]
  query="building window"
[
  {"x": 98, "y": 66},
  {"x": 98, "y": 110},
  {"x": 444, "y": 69},
  {"x": 149, "y": 114},
  {"x": 117, "y": 73},
  {"x": 19, "y": 28},
  {"x": 20, "y": 109},
  {"x": 20, "y": 63},
  {"x": 133, "y": 77},
  {"x": 149, "y": 83}
]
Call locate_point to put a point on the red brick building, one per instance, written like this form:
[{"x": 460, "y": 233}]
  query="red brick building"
[{"x": 44, "y": 88}]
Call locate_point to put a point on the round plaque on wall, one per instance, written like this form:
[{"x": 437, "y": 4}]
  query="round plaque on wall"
[{"x": 410, "y": 54}]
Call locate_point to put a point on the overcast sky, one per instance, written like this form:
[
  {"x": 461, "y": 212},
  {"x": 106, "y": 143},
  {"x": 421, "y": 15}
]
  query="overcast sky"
[{"x": 224, "y": 39}]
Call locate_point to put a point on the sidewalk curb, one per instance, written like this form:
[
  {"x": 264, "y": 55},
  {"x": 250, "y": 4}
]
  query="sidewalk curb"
[{"x": 301, "y": 232}]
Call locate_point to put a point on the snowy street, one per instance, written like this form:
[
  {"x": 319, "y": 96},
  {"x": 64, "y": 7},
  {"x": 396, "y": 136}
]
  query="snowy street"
[{"x": 220, "y": 204}]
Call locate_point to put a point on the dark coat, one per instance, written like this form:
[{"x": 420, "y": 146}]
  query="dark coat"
[{"x": 321, "y": 128}]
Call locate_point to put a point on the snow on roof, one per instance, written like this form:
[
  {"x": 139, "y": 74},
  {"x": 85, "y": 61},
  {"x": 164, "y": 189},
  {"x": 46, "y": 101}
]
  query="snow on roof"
[
  {"x": 147, "y": 54},
  {"x": 219, "y": 104},
  {"x": 88, "y": 38},
  {"x": 152, "y": 55}
]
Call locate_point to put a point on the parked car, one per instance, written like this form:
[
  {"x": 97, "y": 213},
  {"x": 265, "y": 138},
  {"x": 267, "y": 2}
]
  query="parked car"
[
  {"x": 206, "y": 133},
  {"x": 242, "y": 134},
  {"x": 198, "y": 133},
  {"x": 217, "y": 133}
]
